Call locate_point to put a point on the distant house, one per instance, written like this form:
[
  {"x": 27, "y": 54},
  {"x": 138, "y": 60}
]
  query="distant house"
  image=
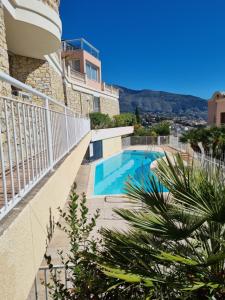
[{"x": 216, "y": 109}]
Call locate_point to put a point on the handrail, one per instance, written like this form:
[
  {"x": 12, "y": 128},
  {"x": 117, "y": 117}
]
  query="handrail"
[
  {"x": 33, "y": 139},
  {"x": 79, "y": 44},
  {"x": 16, "y": 83}
]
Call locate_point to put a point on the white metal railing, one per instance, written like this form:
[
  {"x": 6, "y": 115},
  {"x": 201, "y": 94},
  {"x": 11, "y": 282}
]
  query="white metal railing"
[
  {"x": 144, "y": 141},
  {"x": 34, "y": 136},
  {"x": 176, "y": 144},
  {"x": 40, "y": 289},
  {"x": 80, "y": 44}
]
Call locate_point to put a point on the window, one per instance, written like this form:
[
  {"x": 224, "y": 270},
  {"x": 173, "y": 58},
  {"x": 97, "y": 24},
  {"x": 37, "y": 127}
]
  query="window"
[
  {"x": 92, "y": 71},
  {"x": 96, "y": 104},
  {"x": 222, "y": 118},
  {"x": 75, "y": 65}
]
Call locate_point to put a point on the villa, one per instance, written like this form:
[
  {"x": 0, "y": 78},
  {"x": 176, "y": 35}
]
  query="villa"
[
  {"x": 48, "y": 89},
  {"x": 216, "y": 109}
]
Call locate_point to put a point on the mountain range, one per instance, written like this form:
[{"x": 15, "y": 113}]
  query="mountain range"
[{"x": 162, "y": 103}]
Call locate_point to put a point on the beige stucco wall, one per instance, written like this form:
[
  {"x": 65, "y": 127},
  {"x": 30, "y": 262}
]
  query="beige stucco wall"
[
  {"x": 111, "y": 146},
  {"x": 109, "y": 106},
  {"x": 216, "y": 106},
  {"x": 212, "y": 112},
  {"x": 23, "y": 241}
]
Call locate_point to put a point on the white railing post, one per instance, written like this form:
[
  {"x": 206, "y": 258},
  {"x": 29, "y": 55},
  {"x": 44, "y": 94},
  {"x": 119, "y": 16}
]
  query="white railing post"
[
  {"x": 67, "y": 132},
  {"x": 69, "y": 71},
  {"x": 49, "y": 134},
  {"x": 158, "y": 140}
]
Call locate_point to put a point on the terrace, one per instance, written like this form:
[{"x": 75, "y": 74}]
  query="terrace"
[
  {"x": 79, "y": 44},
  {"x": 83, "y": 65}
]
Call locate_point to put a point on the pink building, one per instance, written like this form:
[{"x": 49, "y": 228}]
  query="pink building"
[{"x": 216, "y": 109}]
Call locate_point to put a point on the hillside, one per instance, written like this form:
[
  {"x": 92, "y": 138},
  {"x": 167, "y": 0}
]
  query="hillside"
[{"x": 162, "y": 102}]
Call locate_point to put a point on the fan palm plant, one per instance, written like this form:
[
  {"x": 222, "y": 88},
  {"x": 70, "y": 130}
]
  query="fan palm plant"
[{"x": 175, "y": 245}]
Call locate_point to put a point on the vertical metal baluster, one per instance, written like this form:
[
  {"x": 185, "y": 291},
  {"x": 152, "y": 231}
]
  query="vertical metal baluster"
[
  {"x": 43, "y": 120},
  {"x": 9, "y": 150},
  {"x": 36, "y": 288},
  {"x": 67, "y": 129},
  {"x": 30, "y": 143},
  {"x": 21, "y": 145},
  {"x": 54, "y": 130},
  {"x": 4, "y": 183},
  {"x": 37, "y": 135},
  {"x": 75, "y": 128},
  {"x": 41, "y": 141},
  {"x": 16, "y": 148},
  {"x": 46, "y": 288},
  {"x": 26, "y": 144},
  {"x": 34, "y": 141},
  {"x": 49, "y": 134}
]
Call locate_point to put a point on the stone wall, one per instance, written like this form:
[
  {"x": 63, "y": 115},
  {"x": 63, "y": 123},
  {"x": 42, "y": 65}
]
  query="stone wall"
[
  {"x": 56, "y": 85},
  {"x": 5, "y": 88},
  {"x": 38, "y": 74},
  {"x": 79, "y": 102},
  {"x": 109, "y": 106}
]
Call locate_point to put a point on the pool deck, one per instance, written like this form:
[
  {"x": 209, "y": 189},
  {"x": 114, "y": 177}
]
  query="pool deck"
[{"x": 108, "y": 218}]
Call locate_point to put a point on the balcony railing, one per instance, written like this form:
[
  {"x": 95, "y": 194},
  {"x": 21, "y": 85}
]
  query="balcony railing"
[
  {"x": 80, "y": 44},
  {"x": 34, "y": 136},
  {"x": 110, "y": 89},
  {"x": 77, "y": 75},
  {"x": 52, "y": 3}
]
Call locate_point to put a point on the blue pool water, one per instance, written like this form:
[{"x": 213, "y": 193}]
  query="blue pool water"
[{"x": 112, "y": 174}]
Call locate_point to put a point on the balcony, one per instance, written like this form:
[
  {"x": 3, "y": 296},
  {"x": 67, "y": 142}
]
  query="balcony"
[
  {"x": 33, "y": 28},
  {"x": 52, "y": 3},
  {"x": 79, "y": 44},
  {"x": 79, "y": 77},
  {"x": 110, "y": 89}
]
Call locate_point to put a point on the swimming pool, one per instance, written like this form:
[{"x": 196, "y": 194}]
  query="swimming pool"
[{"x": 112, "y": 173}]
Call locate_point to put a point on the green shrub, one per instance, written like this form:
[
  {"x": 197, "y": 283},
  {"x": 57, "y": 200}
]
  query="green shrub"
[
  {"x": 162, "y": 128},
  {"x": 126, "y": 119},
  {"x": 158, "y": 129},
  {"x": 85, "y": 279},
  {"x": 174, "y": 247},
  {"x": 99, "y": 120},
  {"x": 212, "y": 140}
]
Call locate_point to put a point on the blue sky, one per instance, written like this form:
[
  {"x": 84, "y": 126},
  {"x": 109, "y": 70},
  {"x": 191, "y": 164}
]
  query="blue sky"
[{"x": 168, "y": 45}]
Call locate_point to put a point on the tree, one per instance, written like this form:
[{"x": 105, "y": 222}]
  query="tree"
[
  {"x": 212, "y": 140},
  {"x": 175, "y": 246},
  {"x": 137, "y": 114},
  {"x": 162, "y": 128}
]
